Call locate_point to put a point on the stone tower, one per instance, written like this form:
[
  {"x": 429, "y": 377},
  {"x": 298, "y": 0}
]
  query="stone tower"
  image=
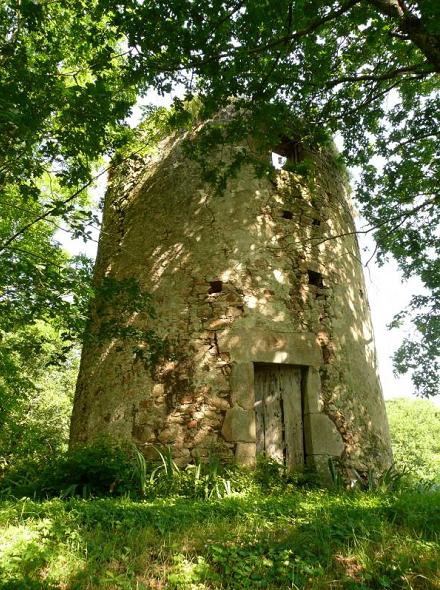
[{"x": 260, "y": 300}]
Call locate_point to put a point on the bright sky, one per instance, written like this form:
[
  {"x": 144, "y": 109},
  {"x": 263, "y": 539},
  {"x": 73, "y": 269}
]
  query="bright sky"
[{"x": 387, "y": 293}]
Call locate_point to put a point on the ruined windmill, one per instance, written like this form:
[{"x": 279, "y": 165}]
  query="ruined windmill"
[{"x": 259, "y": 303}]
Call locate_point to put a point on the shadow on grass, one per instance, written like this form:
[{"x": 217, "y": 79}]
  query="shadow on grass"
[{"x": 310, "y": 539}]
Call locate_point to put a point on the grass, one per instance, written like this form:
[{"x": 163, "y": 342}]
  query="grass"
[{"x": 309, "y": 539}]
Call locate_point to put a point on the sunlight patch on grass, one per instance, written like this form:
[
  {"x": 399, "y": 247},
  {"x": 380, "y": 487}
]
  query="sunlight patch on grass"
[{"x": 309, "y": 539}]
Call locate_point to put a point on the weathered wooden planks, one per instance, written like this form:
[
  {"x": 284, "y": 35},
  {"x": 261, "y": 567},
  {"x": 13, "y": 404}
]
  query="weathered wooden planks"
[{"x": 278, "y": 413}]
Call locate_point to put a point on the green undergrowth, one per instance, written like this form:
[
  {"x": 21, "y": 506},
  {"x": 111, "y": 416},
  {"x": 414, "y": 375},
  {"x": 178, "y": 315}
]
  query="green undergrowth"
[
  {"x": 111, "y": 468},
  {"x": 308, "y": 538}
]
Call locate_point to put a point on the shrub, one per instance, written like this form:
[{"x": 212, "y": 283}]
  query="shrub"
[
  {"x": 415, "y": 435},
  {"x": 99, "y": 469}
]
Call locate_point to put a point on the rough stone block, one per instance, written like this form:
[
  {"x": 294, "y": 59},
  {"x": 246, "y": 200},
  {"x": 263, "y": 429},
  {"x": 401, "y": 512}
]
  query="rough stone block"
[
  {"x": 200, "y": 453},
  {"x": 181, "y": 456},
  {"x": 245, "y": 454},
  {"x": 322, "y": 437},
  {"x": 320, "y": 464},
  {"x": 143, "y": 433},
  {"x": 153, "y": 417},
  {"x": 312, "y": 391},
  {"x": 219, "y": 324},
  {"x": 242, "y": 385},
  {"x": 239, "y": 425},
  {"x": 149, "y": 452},
  {"x": 158, "y": 389},
  {"x": 171, "y": 434},
  {"x": 218, "y": 403}
]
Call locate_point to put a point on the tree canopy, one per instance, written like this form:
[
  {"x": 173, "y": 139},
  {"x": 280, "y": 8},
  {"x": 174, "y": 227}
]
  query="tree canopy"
[{"x": 366, "y": 69}]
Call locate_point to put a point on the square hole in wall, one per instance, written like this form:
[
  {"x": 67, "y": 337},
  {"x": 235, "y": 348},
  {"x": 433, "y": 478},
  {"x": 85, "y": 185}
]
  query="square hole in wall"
[
  {"x": 315, "y": 278},
  {"x": 215, "y": 287}
]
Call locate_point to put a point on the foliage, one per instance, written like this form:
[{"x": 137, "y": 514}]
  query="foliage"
[
  {"x": 103, "y": 468},
  {"x": 43, "y": 306},
  {"x": 209, "y": 527},
  {"x": 367, "y": 69},
  {"x": 117, "y": 301},
  {"x": 389, "y": 480},
  {"x": 37, "y": 380},
  {"x": 38, "y": 280},
  {"x": 109, "y": 467},
  {"x": 58, "y": 61},
  {"x": 305, "y": 539},
  {"x": 35, "y": 461},
  {"x": 114, "y": 468},
  {"x": 54, "y": 66},
  {"x": 415, "y": 435}
]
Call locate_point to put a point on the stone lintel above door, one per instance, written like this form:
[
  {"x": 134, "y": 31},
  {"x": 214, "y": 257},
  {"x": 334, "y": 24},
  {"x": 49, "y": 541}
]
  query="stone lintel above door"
[{"x": 259, "y": 345}]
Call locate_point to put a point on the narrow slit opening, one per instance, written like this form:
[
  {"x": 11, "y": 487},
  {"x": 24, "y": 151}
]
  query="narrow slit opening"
[{"x": 283, "y": 432}]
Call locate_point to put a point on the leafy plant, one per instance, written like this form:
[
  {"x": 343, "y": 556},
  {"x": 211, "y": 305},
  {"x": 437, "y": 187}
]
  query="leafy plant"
[
  {"x": 115, "y": 302},
  {"x": 335, "y": 474},
  {"x": 415, "y": 436},
  {"x": 390, "y": 480},
  {"x": 36, "y": 388},
  {"x": 197, "y": 480},
  {"x": 102, "y": 468},
  {"x": 140, "y": 470}
]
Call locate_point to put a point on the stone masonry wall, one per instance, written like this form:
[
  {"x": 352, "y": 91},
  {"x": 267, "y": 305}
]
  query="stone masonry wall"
[{"x": 267, "y": 272}]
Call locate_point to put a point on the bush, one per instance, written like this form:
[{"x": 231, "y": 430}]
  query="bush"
[
  {"x": 37, "y": 383},
  {"x": 100, "y": 469},
  {"x": 415, "y": 436}
]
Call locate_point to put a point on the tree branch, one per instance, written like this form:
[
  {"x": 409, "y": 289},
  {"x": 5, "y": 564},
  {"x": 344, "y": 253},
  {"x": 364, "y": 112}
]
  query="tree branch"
[
  {"x": 413, "y": 27},
  {"x": 389, "y": 75},
  {"x": 49, "y": 212},
  {"x": 312, "y": 26},
  {"x": 34, "y": 255},
  {"x": 401, "y": 217},
  {"x": 54, "y": 210}
]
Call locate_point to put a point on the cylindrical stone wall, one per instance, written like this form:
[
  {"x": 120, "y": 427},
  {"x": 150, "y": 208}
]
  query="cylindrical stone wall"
[{"x": 262, "y": 275}]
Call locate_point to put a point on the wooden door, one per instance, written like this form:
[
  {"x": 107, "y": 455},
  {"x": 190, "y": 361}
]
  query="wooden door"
[{"x": 279, "y": 414}]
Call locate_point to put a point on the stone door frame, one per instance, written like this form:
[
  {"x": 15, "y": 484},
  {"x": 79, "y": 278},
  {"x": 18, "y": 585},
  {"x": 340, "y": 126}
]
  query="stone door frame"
[{"x": 247, "y": 347}]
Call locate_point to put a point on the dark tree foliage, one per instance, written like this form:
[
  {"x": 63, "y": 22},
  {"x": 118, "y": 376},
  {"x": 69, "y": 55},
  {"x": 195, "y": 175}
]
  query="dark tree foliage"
[{"x": 367, "y": 69}]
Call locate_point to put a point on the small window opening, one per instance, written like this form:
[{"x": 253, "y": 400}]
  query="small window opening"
[
  {"x": 316, "y": 222},
  {"x": 315, "y": 278},
  {"x": 287, "y": 215},
  {"x": 215, "y": 287},
  {"x": 278, "y": 161},
  {"x": 288, "y": 150}
]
